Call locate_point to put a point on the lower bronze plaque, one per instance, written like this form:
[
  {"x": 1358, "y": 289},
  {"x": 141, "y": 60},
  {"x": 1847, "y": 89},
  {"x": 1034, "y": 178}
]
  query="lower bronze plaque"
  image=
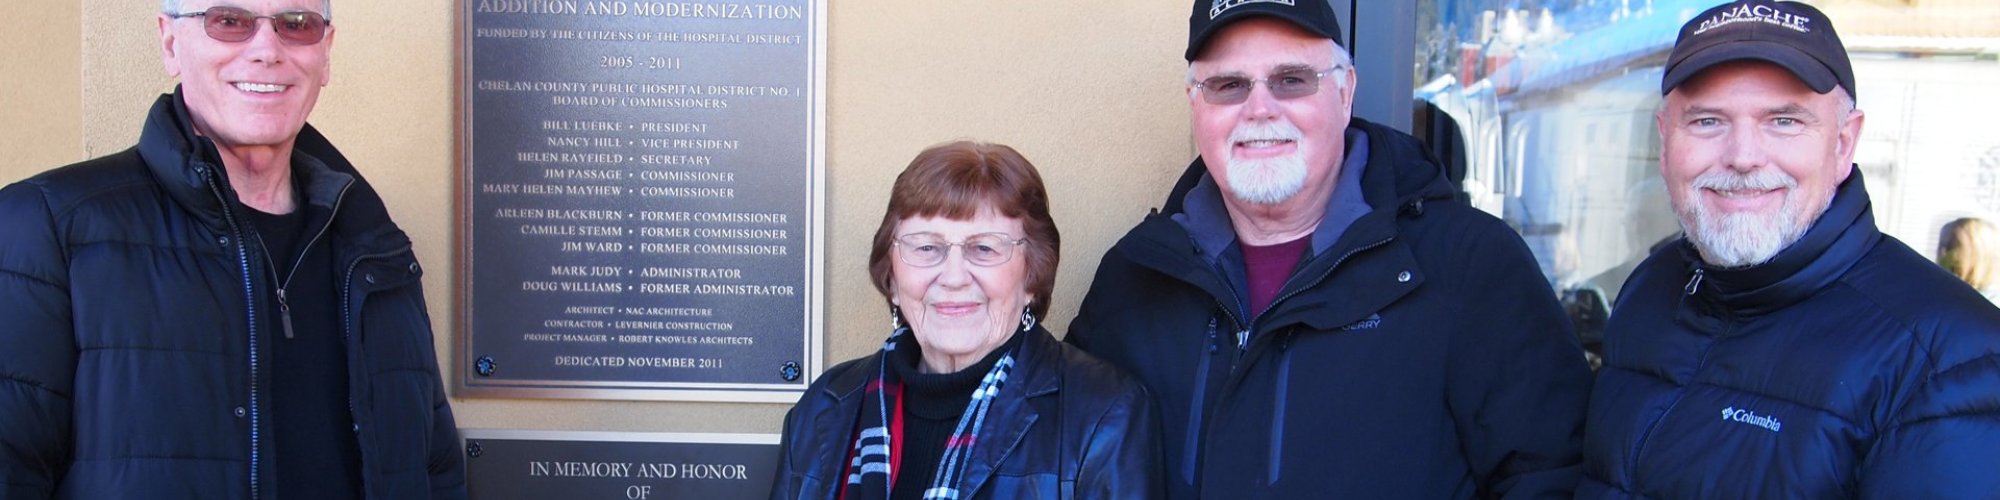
[{"x": 508, "y": 464}]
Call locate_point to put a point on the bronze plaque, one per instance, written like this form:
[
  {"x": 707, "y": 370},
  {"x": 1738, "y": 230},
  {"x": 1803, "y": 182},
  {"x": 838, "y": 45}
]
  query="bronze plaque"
[{"x": 640, "y": 199}]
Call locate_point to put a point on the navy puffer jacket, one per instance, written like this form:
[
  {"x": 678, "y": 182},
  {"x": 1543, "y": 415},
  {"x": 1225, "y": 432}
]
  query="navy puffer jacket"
[
  {"x": 1848, "y": 366},
  {"x": 130, "y": 361}
]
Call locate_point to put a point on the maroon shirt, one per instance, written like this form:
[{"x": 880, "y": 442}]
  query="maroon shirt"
[{"x": 1267, "y": 268}]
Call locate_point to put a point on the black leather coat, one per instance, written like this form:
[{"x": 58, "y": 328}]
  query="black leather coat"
[{"x": 1072, "y": 427}]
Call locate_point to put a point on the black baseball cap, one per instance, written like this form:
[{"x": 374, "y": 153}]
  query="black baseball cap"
[
  {"x": 1792, "y": 35},
  {"x": 1210, "y": 16}
]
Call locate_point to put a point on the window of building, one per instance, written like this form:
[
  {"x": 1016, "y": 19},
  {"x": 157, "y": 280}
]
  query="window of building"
[{"x": 1555, "y": 100}]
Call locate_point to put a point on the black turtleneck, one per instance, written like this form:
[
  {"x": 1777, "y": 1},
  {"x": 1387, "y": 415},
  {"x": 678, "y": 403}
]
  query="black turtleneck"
[{"x": 932, "y": 406}]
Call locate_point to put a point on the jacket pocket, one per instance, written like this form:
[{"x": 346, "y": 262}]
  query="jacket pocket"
[{"x": 1280, "y": 394}]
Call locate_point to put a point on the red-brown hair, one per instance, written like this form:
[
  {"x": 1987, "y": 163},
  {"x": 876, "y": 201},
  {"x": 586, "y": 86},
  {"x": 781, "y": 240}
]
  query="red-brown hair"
[{"x": 955, "y": 180}]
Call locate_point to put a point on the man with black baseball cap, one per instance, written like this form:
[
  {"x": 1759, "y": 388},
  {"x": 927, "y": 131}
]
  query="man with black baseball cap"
[
  {"x": 1784, "y": 347},
  {"x": 1314, "y": 311}
]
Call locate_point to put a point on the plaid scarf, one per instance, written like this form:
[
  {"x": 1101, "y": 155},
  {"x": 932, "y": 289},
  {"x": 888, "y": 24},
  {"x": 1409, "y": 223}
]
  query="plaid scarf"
[{"x": 871, "y": 472}]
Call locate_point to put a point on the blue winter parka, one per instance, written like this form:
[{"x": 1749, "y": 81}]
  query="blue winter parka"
[
  {"x": 1848, "y": 366},
  {"x": 1417, "y": 352}
]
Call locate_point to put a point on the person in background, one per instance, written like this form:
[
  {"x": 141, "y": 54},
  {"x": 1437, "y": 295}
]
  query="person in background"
[
  {"x": 225, "y": 310},
  {"x": 1970, "y": 249},
  {"x": 970, "y": 397},
  {"x": 1785, "y": 347},
  {"x": 1316, "y": 311}
]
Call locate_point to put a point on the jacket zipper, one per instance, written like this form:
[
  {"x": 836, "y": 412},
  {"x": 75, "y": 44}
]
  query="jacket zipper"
[
  {"x": 1244, "y": 336},
  {"x": 1195, "y": 410},
  {"x": 1242, "y": 347},
  {"x": 1323, "y": 274},
  {"x": 284, "y": 305},
  {"x": 284, "y": 313},
  {"x": 1242, "y": 343},
  {"x": 1277, "y": 445},
  {"x": 250, "y": 299},
  {"x": 1282, "y": 388},
  {"x": 1639, "y": 448}
]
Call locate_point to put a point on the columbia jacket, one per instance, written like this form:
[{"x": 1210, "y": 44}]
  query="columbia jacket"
[
  {"x": 1066, "y": 426},
  {"x": 1416, "y": 353},
  {"x": 133, "y": 339},
  {"x": 1847, "y": 366}
]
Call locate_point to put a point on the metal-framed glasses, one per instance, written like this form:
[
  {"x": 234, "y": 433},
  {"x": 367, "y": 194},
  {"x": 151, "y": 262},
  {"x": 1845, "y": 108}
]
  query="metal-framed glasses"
[
  {"x": 235, "y": 24},
  {"x": 1287, "y": 83},
  {"x": 930, "y": 249}
]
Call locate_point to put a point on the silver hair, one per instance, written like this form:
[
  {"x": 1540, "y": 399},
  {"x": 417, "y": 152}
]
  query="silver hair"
[
  {"x": 174, "y": 7},
  {"x": 1341, "y": 59}
]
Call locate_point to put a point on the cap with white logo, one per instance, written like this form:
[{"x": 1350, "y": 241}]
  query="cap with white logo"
[
  {"x": 1314, "y": 16},
  {"x": 1792, "y": 35}
]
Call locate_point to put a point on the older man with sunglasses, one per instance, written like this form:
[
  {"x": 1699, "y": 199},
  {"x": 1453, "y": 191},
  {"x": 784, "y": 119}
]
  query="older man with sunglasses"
[
  {"x": 224, "y": 310},
  {"x": 1315, "y": 312}
]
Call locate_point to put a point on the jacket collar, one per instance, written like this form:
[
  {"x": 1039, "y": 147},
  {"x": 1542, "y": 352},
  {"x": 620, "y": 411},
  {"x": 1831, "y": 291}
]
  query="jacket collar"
[
  {"x": 1835, "y": 242},
  {"x": 1036, "y": 349},
  {"x": 1037, "y": 363},
  {"x": 1397, "y": 176},
  {"x": 184, "y": 163},
  {"x": 1207, "y": 218},
  {"x": 1040, "y": 366},
  {"x": 190, "y": 170},
  {"x": 1394, "y": 173}
]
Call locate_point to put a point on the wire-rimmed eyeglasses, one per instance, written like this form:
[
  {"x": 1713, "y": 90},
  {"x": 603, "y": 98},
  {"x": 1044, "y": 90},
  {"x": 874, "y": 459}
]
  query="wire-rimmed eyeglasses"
[
  {"x": 930, "y": 249},
  {"x": 1287, "y": 83}
]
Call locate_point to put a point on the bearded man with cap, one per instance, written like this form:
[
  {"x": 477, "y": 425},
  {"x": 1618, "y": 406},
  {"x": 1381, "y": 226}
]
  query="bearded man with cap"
[
  {"x": 1786, "y": 348},
  {"x": 1313, "y": 310}
]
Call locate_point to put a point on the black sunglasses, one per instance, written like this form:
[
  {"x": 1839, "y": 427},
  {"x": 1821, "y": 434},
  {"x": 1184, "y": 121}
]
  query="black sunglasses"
[{"x": 234, "y": 24}]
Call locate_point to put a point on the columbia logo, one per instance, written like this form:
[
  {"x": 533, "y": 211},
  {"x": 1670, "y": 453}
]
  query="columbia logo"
[
  {"x": 1752, "y": 418},
  {"x": 1369, "y": 323}
]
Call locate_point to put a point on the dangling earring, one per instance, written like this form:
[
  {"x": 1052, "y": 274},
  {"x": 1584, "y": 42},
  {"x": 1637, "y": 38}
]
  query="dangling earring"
[
  {"x": 1027, "y": 319},
  {"x": 895, "y": 317}
]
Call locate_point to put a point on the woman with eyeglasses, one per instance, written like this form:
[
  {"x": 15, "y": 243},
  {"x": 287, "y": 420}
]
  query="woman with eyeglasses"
[{"x": 969, "y": 397}]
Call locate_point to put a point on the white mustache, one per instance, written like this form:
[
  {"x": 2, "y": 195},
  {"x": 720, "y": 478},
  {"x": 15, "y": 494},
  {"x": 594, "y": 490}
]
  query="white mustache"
[
  {"x": 1276, "y": 130},
  {"x": 1763, "y": 179}
]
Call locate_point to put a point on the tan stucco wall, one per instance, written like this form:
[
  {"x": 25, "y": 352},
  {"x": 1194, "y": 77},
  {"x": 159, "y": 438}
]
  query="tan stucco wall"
[
  {"x": 38, "y": 88},
  {"x": 1089, "y": 91}
]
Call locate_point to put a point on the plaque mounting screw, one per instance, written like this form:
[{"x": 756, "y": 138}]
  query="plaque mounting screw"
[
  {"x": 790, "y": 371},
  {"x": 472, "y": 449},
  {"x": 484, "y": 366}
]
